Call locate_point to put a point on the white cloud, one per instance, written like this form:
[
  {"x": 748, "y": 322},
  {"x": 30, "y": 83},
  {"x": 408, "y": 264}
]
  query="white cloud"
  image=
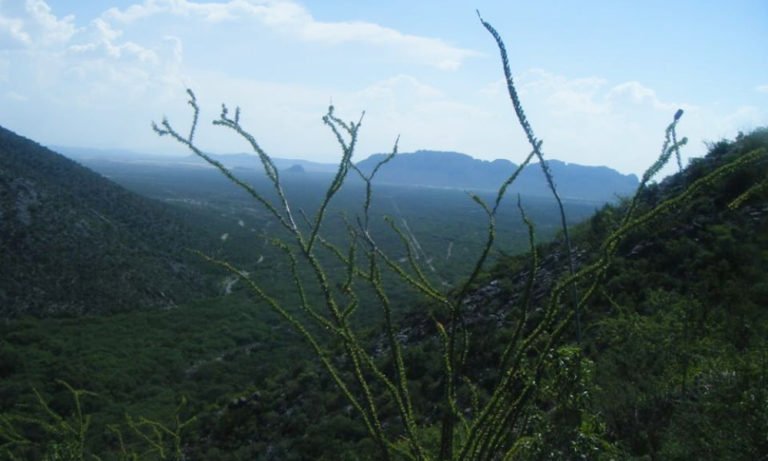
[
  {"x": 135, "y": 12},
  {"x": 63, "y": 61},
  {"x": 400, "y": 85},
  {"x": 50, "y": 28},
  {"x": 172, "y": 64},
  {"x": 295, "y": 21},
  {"x": 103, "y": 81},
  {"x": 90, "y": 69},
  {"x": 125, "y": 64},
  {"x": 762, "y": 88},
  {"x": 585, "y": 95},
  {"x": 640, "y": 94},
  {"x": 424, "y": 116},
  {"x": 432, "y": 51},
  {"x": 107, "y": 37},
  {"x": 743, "y": 118},
  {"x": 209, "y": 11},
  {"x": 33, "y": 24},
  {"x": 566, "y": 96},
  {"x": 589, "y": 120},
  {"x": 14, "y": 28}
]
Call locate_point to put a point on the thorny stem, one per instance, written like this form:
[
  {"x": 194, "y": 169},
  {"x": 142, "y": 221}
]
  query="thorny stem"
[{"x": 536, "y": 145}]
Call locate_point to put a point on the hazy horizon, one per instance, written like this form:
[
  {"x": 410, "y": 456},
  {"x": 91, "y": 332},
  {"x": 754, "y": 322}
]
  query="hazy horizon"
[
  {"x": 184, "y": 155},
  {"x": 599, "y": 81}
]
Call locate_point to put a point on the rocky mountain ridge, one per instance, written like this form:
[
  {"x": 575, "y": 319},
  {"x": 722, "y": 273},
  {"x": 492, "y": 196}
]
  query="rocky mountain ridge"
[
  {"x": 457, "y": 170},
  {"x": 422, "y": 168}
]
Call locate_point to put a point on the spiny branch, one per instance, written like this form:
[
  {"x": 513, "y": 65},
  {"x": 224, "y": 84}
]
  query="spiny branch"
[{"x": 536, "y": 146}]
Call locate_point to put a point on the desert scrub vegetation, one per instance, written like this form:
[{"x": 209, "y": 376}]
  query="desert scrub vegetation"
[
  {"x": 533, "y": 403},
  {"x": 474, "y": 423}
]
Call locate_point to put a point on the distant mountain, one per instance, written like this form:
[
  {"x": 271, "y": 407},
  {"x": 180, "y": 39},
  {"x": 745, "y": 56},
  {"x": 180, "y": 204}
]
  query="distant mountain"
[
  {"x": 421, "y": 168},
  {"x": 251, "y": 161},
  {"x": 456, "y": 170},
  {"x": 71, "y": 241}
]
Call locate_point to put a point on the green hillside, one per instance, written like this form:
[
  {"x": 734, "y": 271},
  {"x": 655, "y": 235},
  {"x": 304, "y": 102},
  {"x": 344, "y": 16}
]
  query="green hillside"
[
  {"x": 679, "y": 335},
  {"x": 72, "y": 242},
  {"x": 669, "y": 361}
]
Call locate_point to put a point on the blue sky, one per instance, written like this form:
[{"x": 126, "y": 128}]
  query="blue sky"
[{"x": 599, "y": 79}]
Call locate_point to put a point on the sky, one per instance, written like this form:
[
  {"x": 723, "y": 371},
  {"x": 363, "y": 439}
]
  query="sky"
[{"x": 599, "y": 80}]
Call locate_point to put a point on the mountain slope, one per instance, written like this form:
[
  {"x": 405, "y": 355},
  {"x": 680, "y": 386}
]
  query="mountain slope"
[
  {"x": 456, "y": 170},
  {"x": 674, "y": 342},
  {"x": 673, "y": 363},
  {"x": 73, "y": 242},
  {"x": 679, "y": 334}
]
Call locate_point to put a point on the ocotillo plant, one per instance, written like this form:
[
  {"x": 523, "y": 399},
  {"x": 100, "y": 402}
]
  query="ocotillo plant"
[{"x": 496, "y": 421}]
